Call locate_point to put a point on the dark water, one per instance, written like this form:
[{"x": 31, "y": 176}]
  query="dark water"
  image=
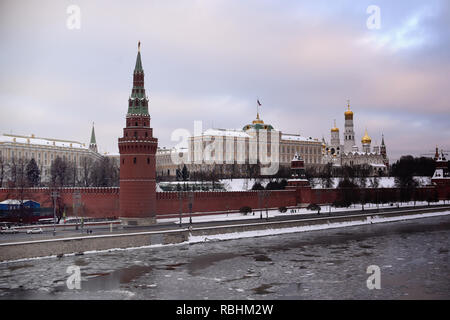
[{"x": 331, "y": 264}]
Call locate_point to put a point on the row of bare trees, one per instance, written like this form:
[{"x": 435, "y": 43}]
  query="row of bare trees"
[{"x": 24, "y": 173}]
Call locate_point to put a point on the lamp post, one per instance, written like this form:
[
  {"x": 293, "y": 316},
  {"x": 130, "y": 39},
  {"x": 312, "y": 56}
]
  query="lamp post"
[
  {"x": 76, "y": 205},
  {"x": 260, "y": 199},
  {"x": 54, "y": 195},
  {"x": 181, "y": 206},
  {"x": 191, "y": 200}
]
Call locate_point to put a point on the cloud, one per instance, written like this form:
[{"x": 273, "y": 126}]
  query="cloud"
[{"x": 210, "y": 60}]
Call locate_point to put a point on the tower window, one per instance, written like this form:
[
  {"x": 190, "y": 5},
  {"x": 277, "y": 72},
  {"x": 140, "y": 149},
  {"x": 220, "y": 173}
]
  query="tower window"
[
  {"x": 146, "y": 134},
  {"x": 148, "y": 160},
  {"x": 136, "y": 124},
  {"x": 134, "y": 160}
]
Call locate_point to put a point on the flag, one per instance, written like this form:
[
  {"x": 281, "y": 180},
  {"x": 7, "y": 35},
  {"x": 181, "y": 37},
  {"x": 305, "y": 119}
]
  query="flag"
[{"x": 259, "y": 103}]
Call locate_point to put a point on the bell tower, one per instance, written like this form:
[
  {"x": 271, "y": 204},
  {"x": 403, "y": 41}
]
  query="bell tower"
[
  {"x": 137, "y": 149},
  {"x": 349, "y": 133}
]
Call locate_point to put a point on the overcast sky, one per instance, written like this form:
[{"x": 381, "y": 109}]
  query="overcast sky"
[{"x": 210, "y": 61}]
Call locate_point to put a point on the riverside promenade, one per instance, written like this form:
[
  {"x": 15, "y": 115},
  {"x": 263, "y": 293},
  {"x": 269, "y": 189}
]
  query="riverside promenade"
[{"x": 114, "y": 236}]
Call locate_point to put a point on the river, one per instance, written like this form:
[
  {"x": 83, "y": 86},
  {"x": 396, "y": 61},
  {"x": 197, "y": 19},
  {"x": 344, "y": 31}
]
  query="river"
[{"x": 413, "y": 257}]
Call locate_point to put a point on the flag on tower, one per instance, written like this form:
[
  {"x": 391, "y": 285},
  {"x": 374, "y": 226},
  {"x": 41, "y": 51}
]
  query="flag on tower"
[{"x": 259, "y": 103}]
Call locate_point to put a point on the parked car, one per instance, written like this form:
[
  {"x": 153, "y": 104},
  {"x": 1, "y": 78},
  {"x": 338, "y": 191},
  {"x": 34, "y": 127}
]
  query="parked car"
[
  {"x": 35, "y": 230},
  {"x": 9, "y": 230}
]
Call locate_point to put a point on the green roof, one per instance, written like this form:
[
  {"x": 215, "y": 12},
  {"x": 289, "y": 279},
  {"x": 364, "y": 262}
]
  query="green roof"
[
  {"x": 258, "y": 126},
  {"x": 93, "y": 135},
  {"x": 138, "y": 98},
  {"x": 138, "y": 67}
]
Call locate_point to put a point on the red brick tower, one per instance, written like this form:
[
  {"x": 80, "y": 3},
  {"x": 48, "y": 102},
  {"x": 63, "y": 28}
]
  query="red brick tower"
[{"x": 137, "y": 150}]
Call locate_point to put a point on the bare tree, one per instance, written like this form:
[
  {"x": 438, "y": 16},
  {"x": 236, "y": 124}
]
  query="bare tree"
[
  {"x": 86, "y": 168},
  {"x": 2, "y": 171},
  {"x": 59, "y": 172},
  {"x": 105, "y": 173}
]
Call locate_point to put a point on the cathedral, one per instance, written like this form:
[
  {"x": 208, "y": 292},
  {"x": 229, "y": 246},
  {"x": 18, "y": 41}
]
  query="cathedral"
[{"x": 348, "y": 153}]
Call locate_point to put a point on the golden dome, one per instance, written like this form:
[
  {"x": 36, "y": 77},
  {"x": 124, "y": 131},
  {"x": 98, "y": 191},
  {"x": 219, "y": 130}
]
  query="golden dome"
[
  {"x": 335, "y": 129},
  {"x": 348, "y": 112},
  {"x": 257, "y": 121},
  {"x": 366, "y": 139}
]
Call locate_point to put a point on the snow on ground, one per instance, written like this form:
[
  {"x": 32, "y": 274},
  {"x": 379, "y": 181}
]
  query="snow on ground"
[
  {"x": 242, "y": 184},
  {"x": 247, "y": 184},
  {"x": 270, "y": 232},
  {"x": 275, "y": 213}
]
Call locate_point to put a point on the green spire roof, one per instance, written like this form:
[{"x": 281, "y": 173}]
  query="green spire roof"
[
  {"x": 138, "y": 102},
  {"x": 138, "y": 67},
  {"x": 93, "y": 135}
]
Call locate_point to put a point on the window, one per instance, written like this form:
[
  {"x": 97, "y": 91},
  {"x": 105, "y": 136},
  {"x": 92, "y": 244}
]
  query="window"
[
  {"x": 148, "y": 160},
  {"x": 134, "y": 160}
]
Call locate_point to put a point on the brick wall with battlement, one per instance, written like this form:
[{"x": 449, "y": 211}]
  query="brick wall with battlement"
[{"x": 104, "y": 202}]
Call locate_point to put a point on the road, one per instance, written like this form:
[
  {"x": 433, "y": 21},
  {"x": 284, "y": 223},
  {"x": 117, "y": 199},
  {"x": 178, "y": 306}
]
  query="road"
[{"x": 101, "y": 230}]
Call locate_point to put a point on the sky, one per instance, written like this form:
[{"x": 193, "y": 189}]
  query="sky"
[{"x": 209, "y": 61}]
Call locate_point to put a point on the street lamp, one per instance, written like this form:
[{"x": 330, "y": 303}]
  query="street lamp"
[
  {"x": 191, "y": 198},
  {"x": 181, "y": 206},
  {"x": 76, "y": 205},
  {"x": 54, "y": 195}
]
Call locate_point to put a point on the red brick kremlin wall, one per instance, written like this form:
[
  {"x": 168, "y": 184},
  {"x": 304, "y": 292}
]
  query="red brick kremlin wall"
[{"x": 104, "y": 202}]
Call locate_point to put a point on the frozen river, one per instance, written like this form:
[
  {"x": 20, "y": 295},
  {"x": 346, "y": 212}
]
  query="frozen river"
[{"x": 412, "y": 255}]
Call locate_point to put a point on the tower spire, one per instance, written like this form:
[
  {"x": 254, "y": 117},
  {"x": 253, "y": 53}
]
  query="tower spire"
[
  {"x": 138, "y": 67},
  {"x": 93, "y": 143},
  {"x": 138, "y": 102}
]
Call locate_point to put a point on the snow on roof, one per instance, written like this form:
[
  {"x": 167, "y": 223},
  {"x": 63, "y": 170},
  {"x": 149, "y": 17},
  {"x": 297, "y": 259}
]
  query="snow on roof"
[
  {"x": 171, "y": 150},
  {"x": 32, "y": 140},
  {"x": 226, "y": 132},
  {"x": 12, "y": 201},
  {"x": 297, "y": 137},
  {"x": 377, "y": 165}
]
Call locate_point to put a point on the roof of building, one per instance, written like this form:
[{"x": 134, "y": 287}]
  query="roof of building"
[
  {"x": 258, "y": 124},
  {"x": 226, "y": 132},
  {"x": 15, "y": 202},
  {"x": 32, "y": 140},
  {"x": 93, "y": 140},
  {"x": 297, "y": 137}
]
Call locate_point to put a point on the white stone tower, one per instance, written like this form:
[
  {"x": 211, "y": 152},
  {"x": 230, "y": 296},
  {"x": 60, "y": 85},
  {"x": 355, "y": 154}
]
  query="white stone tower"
[
  {"x": 349, "y": 133},
  {"x": 335, "y": 140}
]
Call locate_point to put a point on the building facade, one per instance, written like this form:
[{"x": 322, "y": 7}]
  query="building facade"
[
  {"x": 14, "y": 148},
  {"x": 255, "y": 143},
  {"x": 349, "y": 154}
]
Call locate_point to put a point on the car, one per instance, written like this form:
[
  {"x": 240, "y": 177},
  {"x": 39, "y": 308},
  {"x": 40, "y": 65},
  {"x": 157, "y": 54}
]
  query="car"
[
  {"x": 9, "y": 230},
  {"x": 35, "y": 230}
]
